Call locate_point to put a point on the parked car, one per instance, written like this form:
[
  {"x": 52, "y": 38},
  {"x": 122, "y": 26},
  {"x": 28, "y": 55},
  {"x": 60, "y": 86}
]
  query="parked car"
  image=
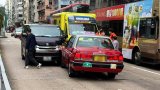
[
  {"x": 48, "y": 39},
  {"x": 91, "y": 54},
  {"x": 17, "y": 32}
]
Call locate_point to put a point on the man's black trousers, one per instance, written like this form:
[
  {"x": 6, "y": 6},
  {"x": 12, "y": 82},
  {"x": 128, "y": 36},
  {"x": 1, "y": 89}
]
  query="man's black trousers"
[{"x": 30, "y": 57}]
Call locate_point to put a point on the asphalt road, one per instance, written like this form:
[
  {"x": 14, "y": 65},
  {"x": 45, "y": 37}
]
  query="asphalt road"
[{"x": 51, "y": 77}]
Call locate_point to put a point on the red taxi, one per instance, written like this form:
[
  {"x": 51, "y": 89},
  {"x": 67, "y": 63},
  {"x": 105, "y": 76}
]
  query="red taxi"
[{"x": 91, "y": 54}]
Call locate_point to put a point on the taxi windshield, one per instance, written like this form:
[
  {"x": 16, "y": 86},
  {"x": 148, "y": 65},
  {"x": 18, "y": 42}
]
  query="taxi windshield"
[
  {"x": 94, "y": 42},
  {"x": 82, "y": 29}
]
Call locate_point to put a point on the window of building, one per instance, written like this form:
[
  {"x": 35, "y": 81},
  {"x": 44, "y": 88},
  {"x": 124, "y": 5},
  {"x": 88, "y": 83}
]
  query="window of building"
[
  {"x": 20, "y": 15},
  {"x": 54, "y": 22},
  {"x": 92, "y": 4}
]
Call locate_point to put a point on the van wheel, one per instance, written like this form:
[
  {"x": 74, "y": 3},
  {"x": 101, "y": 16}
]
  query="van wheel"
[
  {"x": 71, "y": 72},
  {"x": 111, "y": 75},
  {"x": 137, "y": 57}
]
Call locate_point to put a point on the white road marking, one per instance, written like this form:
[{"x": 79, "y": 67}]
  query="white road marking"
[
  {"x": 146, "y": 70},
  {"x": 119, "y": 89}
]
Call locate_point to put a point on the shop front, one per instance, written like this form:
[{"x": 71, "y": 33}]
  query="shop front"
[{"x": 111, "y": 17}]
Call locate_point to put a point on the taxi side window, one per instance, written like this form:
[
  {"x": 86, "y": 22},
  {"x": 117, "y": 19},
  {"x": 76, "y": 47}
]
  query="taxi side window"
[{"x": 70, "y": 43}]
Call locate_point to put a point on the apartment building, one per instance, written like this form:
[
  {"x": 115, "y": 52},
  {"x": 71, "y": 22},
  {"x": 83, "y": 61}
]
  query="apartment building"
[
  {"x": 35, "y": 11},
  {"x": 9, "y": 9},
  {"x": 44, "y": 8},
  {"x": 16, "y": 12},
  {"x": 25, "y": 11},
  {"x": 61, "y": 3}
]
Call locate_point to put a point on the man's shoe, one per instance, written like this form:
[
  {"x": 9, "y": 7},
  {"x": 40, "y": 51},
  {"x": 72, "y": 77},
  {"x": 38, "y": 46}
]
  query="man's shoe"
[
  {"x": 26, "y": 67},
  {"x": 39, "y": 65}
]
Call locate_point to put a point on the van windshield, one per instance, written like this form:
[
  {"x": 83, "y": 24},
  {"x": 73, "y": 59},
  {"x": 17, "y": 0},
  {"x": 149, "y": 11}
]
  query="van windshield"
[
  {"x": 49, "y": 31},
  {"x": 76, "y": 29}
]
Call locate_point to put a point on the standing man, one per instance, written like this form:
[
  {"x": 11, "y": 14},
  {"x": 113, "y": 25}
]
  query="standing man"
[{"x": 30, "y": 47}]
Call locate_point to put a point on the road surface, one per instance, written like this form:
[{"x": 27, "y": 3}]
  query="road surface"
[{"x": 51, "y": 77}]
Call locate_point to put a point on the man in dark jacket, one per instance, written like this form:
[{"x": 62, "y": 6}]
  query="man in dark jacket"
[{"x": 30, "y": 47}]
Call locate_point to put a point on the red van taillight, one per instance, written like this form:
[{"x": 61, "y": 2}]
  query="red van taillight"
[{"x": 79, "y": 56}]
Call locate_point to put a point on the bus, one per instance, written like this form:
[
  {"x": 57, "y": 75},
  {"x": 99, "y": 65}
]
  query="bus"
[
  {"x": 72, "y": 23},
  {"x": 141, "y": 33}
]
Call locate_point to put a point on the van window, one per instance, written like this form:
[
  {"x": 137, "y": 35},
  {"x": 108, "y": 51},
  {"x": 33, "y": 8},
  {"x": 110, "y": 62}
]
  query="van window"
[{"x": 147, "y": 28}]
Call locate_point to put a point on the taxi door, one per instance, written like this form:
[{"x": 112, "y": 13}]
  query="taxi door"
[{"x": 68, "y": 50}]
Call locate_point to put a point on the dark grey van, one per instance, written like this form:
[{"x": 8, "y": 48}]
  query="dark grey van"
[{"x": 48, "y": 37}]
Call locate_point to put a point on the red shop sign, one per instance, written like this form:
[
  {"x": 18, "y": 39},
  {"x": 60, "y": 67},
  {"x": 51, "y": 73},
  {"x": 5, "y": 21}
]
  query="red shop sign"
[{"x": 110, "y": 13}]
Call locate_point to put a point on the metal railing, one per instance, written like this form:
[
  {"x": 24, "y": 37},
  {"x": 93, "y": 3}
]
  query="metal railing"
[{"x": 5, "y": 85}]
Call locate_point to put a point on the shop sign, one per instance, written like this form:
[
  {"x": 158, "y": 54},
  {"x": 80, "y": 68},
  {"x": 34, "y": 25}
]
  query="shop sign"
[{"x": 110, "y": 13}]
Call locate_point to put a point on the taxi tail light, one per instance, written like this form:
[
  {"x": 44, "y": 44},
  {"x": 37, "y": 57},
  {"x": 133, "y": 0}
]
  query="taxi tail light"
[
  {"x": 86, "y": 56},
  {"x": 79, "y": 56},
  {"x": 121, "y": 58},
  {"x": 115, "y": 58}
]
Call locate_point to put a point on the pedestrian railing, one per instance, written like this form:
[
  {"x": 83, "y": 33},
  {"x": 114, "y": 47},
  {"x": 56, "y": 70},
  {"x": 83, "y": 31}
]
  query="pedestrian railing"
[{"x": 5, "y": 85}]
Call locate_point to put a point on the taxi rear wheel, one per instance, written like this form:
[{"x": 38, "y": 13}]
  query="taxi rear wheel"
[
  {"x": 112, "y": 75},
  {"x": 71, "y": 72}
]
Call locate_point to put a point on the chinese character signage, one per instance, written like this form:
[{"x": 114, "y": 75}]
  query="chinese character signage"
[{"x": 110, "y": 13}]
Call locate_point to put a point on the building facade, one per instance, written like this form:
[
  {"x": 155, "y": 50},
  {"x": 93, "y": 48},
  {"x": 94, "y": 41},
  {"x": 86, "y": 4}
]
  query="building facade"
[
  {"x": 9, "y": 10},
  {"x": 25, "y": 11},
  {"x": 17, "y": 12},
  {"x": 35, "y": 11},
  {"x": 44, "y": 8}
]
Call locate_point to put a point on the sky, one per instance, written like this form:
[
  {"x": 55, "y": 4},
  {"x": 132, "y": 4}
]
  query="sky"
[{"x": 2, "y": 2}]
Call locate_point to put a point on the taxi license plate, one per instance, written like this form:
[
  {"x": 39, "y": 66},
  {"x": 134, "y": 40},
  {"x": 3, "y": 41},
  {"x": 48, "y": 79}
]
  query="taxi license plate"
[
  {"x": 47, "y": 58},
  {"x": 113, "y": 66},
  {"x": 87, "y": 64},
  {"x": 99, "y": 58}
]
